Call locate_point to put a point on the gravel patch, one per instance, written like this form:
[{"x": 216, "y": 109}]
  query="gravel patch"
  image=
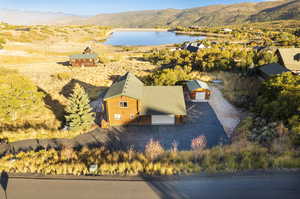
[{"x": 228, "y": 115}]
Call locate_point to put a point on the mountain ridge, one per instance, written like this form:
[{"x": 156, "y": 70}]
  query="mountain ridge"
[{"x": 213, "y": 15}]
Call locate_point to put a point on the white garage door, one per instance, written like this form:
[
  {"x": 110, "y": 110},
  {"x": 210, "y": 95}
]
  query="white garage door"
[
  {"x": 163, "y": 119},
  {"x": 200, "y": 96}
]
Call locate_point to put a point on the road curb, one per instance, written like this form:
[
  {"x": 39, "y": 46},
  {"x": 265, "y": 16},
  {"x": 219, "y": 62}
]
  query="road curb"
[{"x": 250, "y": 173}]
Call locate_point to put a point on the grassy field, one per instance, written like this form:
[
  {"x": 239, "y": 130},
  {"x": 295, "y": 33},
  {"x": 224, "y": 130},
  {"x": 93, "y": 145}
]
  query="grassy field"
[{"x": 44, "y": 63}]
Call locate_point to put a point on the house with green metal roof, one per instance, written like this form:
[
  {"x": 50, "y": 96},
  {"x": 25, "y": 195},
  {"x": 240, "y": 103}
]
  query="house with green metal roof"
[
  {"x": 84, "y": 60},
  {"x": 198, "y": 91},
  {"x": 129, "y": 102}
]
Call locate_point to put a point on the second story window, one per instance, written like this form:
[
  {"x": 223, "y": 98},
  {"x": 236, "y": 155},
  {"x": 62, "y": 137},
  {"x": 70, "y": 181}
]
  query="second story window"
[{"x": 123, "y": 104}]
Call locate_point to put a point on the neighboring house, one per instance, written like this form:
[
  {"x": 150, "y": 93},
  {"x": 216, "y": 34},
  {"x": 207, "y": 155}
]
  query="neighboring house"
[
  {"x": 83, "y": 60},
  {"x": 290, "y": 59},
  {"x": 269, "y": 70},
  {"x": 227, "y": 30},
  {"x": 194, "y": 47},
  {"x": 129, "y": 101},
  {"x": 23, "y": 29},
  {"x": 199, "y": 91}
]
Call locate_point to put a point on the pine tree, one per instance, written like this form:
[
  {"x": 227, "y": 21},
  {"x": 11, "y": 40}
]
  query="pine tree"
[{"x": 79, "y": 112}]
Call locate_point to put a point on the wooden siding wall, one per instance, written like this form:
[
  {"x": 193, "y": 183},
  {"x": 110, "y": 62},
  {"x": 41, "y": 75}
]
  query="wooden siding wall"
[
  {"x": 207, "y": 93},
  {"x": 83, "y": 62},
  {"x": 112, "y": 107}
]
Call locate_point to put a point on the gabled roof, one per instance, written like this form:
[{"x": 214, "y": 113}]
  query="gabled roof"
[
  {"x": 196, "y": 84},
  {"x": 163, "y": 100},
  {"x": 84, "y": 56},
  {"x": 127, "y": 85},
  {"x": 290, "y": 58},
  {"x": 272, "y": 69},
  {"x": 160, "y": 100}
]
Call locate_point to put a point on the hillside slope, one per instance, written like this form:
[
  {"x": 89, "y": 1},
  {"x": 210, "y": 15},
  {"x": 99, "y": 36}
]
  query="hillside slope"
[
  {"x": 17, "y": 17},
  {"x": 287, "y": 10},
  {"x": 205, "y": 16}
]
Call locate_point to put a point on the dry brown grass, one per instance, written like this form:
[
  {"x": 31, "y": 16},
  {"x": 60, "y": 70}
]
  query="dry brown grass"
[{"x": 43, "y": 65}]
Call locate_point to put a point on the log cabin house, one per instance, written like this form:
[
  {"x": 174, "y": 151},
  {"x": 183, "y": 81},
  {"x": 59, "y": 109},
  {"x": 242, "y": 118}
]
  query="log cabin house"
[
  {"x": 129, "y": 101},
  {"x": 198, "y": 91},
  {"x": 83, "y": 60}
]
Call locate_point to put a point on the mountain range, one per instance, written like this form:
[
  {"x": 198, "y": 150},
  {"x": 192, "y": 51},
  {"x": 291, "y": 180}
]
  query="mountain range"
[{"x": 205, "y": 16}]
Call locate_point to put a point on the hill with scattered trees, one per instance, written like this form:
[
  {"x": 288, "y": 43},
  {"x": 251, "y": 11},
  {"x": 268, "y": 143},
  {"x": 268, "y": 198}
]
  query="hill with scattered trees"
[{"x": 214, "y": 15}]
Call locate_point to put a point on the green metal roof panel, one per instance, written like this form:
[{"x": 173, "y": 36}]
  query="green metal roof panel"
[
  {"x": 163, "y": 100},
  {"x": 196, "y": 84},
  {"x": 84, "y": 56},
  {"x": 128, "y": 85},
  {"x": 272, "y": 69}
]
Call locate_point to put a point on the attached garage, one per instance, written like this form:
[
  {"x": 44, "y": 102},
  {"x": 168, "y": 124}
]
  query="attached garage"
[
  {"x": 198, "y": 91},
  {"x": 163, "y": 119}
]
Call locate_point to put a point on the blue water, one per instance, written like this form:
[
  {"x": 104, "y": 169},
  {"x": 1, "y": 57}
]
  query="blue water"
[{"x": 147, "y": 38}]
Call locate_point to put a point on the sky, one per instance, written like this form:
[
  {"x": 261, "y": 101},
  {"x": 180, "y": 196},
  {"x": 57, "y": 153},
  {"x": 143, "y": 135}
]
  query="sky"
[{"x": 92, "y": 7}]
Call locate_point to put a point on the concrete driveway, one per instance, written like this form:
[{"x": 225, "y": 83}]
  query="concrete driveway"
[{"x": 201, "y": 120}]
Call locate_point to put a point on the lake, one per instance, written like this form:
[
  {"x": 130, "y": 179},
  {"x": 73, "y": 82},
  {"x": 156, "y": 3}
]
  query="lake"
[{"x": 147, "y": 38}]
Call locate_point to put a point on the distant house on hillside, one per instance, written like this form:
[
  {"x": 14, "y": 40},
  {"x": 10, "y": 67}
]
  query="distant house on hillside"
[
  {"x": 269, "y": 70},
  {"x": 227, "y": 30},
  {"x": 87, "y": 58},
  {"x": 83, "y": 60},
  {"x": 129, "y": 101},
  {"x": 194, "y": 46},
  {"x": 290, "y": 58},
  {"x": 23, "y": 29},
  {"x": 199, "y": 91}
]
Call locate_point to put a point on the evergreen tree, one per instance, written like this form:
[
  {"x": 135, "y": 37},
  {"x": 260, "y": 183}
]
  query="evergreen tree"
[{"x": 79, "y": 112}]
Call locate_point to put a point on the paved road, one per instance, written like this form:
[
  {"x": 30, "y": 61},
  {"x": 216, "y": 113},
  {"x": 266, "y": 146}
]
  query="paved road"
[{"x": 277, "y": 186}]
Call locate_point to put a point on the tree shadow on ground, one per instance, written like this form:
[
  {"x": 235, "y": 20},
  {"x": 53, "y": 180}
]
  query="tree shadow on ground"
[
  {"x": 54, "y": 105},
  {"x": 64, "y": 63},
  {"x": 163, "y": 189},
  {"x": 114, "y": 77},
  {"x": 138, "y": 59},
  {"x": 25, "y": 126},
  {"x": 94, "y": 92}
]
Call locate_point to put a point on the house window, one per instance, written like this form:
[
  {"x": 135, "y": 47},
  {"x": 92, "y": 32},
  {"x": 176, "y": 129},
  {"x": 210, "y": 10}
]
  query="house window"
[
  {"x": 123, "y": 104},
  {"x": 117, "y": 116}
]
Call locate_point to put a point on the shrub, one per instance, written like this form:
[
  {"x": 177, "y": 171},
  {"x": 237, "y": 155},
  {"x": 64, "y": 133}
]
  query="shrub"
[
  {"x": 79, "y": 112},
  {"x": 20, "y": 98},
  {"x": 63, "y": 76},
  {"x": 68, "y": 153},
  {"x": 199, "y": 143},
  {"x": 153, "y": 149},
  {"x": 169, "y": 77},
  {"x": 103, "y": 59}
]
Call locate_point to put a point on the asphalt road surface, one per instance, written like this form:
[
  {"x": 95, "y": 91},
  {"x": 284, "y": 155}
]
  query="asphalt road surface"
[{"x": 281, "y": 186}]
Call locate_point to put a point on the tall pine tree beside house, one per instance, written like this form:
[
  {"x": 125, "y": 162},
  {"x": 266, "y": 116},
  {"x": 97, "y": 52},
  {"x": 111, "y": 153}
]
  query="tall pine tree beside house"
[{"x": 79, "y": 112}]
